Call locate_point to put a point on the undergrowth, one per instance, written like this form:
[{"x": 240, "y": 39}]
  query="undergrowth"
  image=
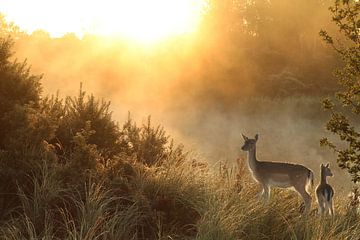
[{"x": 176, "y": 200}]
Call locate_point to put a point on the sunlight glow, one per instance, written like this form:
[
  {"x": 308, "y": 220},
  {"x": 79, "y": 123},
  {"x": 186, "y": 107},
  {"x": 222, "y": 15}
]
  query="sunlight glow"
[{"x": 140, "y": 20}]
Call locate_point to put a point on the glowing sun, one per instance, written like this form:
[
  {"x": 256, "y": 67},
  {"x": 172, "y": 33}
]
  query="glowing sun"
[{"x": 140, "y": 20}]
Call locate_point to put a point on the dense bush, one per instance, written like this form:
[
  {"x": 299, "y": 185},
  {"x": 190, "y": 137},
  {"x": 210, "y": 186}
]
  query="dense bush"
[
  {"x": 76, "y": 138},
  {"x": 19, "y": 93},
  {"x": 79, "y": 112},
  {"x": 150, "y": 145}
]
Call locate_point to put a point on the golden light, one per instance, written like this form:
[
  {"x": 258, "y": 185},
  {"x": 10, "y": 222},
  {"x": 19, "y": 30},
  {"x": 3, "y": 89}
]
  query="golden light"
[{"x": 140, "y": 20}]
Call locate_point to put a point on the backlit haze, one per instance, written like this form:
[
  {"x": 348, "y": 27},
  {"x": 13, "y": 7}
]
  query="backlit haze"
[
  {"x": 139, "y": 20},
  {"x": 207, "y": 70}
]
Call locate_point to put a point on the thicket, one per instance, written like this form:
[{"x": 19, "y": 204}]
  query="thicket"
[{"x": 53, "y": 151}]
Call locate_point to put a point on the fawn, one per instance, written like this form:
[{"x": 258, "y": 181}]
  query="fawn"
[{"x": 324, "y": 192}]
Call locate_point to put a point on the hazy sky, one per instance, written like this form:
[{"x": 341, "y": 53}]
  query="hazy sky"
[{"x": 139, "y": 19}]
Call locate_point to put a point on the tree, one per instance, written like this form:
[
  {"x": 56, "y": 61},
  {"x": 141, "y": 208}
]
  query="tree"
[
  {"x": 345, "y": 107},
  {"x": 19, "y": 91}
]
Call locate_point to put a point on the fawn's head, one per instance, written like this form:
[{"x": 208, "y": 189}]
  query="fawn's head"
[
  {"x": 249, "y": 144},
  {"x": 325, "y": 170}
]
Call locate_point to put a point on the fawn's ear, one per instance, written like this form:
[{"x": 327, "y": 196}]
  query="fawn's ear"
[
  {"x": 244, "y": 137},
  {"x": 321, "y": 165},
  {"x": 327, "y": 165},
  {"x": 256, "y": 137}
]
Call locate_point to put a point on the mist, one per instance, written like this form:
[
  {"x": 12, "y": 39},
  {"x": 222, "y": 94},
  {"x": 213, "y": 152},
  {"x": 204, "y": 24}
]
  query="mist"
[{"x": 253, "y": 67}]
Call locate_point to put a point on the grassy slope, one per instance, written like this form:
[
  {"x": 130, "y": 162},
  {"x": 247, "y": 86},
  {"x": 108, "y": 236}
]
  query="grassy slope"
[{"x": 177, "y": 200}]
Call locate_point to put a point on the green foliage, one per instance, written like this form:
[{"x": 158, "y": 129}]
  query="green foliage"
[
  {"x": 150, "y": 145},
  {"x": 50, "y": 149},
  {"x": 344, "y": 118},
  {"x": 19, "y": 90},
  {"x": 77, "y": 113},
  {"x": 25, "y": 126},
  {"x": 18, "y": 85},
  {"x": 82, "y": 160}
]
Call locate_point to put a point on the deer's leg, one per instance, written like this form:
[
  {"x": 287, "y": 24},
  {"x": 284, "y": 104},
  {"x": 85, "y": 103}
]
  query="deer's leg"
[
  {"x": 265, "y": 192},
  {"x": 331, "y": 207},
  {"x": 321, "y": 207},
  {"x": 321, "y": 204},
  {"x": 261, "y": 193},
  {"x": 326, "y": 208},
  {"x": 305, "y": 196}
]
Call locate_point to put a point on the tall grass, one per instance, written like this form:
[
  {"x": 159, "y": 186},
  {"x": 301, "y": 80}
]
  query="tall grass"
[{"x": 176, "y": 200}]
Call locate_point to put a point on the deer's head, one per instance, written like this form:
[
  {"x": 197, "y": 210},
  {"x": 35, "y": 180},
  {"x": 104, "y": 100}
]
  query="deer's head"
[
  {"x": 249, "y": 144},
  {"x": 326, "y": 171}
]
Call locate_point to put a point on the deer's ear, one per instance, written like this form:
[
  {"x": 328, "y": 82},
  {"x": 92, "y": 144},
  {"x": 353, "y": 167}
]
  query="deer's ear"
[
  {"x": 244, "y": 137},
  {"x": 321, "y": 165},
  {"x": 256, "y": 137},
  {"x": 327, "y": 165}
]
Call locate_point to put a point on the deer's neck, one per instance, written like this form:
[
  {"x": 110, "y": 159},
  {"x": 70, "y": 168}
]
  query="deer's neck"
[
  {"x": 252, "y": 159},
  {"x": 323, "y": 178}
]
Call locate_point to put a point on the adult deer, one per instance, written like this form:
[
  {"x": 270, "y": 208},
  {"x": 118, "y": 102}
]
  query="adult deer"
[
  {"x": 324, "y": 192},
  {"x": 278, "y": 174}
]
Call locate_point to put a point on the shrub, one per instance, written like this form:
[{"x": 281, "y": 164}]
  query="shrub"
[
  {"x": 19, "y": 90},
  {"x": 80, "y": 111},
  {"x": 150, "y": 145}
]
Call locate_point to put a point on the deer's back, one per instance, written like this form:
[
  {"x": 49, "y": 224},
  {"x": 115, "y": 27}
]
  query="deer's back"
[
  {"x": 324, "y": 191},
  {"x": 281, "y": 174}
]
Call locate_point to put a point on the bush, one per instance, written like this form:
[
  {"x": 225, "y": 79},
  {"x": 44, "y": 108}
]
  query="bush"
[
  {"x": 19, "y": 90},
  {"x": 80, "y": 111},
  {"x": 150, "y": 145}
]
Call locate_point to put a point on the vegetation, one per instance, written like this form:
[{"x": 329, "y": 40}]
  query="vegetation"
[
  {"x": 69, "y": 171},
  {"x": 344, "y": 118}
]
